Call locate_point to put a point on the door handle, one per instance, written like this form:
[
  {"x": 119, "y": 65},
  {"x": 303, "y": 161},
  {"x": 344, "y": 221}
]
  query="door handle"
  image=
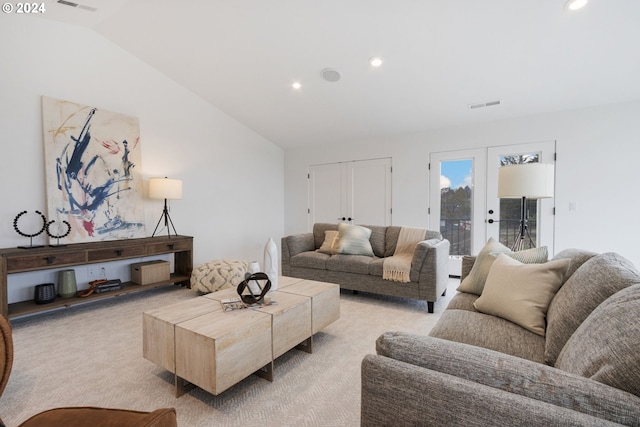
[{"x": 491, "y": 221}]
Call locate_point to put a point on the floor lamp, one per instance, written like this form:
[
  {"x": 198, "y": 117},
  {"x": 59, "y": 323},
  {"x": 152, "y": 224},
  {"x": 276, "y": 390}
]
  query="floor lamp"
[
  {"x": 525, "y": 181},
  {"x": 167, "y": 189}
]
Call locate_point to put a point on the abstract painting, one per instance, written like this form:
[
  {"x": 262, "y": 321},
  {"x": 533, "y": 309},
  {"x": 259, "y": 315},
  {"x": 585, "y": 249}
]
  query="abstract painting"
[{"x": 92, "y": 171}]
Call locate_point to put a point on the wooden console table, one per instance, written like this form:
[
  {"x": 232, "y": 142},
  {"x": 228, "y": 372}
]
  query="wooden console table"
[{"x": 16, "y": 260}]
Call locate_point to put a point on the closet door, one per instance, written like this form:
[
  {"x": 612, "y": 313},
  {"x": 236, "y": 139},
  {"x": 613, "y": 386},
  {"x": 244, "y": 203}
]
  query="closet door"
[
  {"x": 369, "y": 192},
  {"x": 356, "y": 192},
  {"x": 327, "y": 193}
]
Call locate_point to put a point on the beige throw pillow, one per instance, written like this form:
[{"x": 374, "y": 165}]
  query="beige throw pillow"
[
  {"x": 521, "y": 293},
  {"x": 329, "y": 245}
]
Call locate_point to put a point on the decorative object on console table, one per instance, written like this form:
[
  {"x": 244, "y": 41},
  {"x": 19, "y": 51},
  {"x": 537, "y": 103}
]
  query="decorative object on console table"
[
  {"x": 45, "y": 293},
  {"x": 108, "y": 286},
  {"x": 32, "y": 235},
  {"x": 61, "y": 234},
  {"x": 67, "y": 287},
  {"x": 271, "y": 263},
  {"x": 525, "y": 181},
  {"x": 93, "y": 171},
  {"x": 147, "y": 272},
  {"x": 167, "y": 189}
]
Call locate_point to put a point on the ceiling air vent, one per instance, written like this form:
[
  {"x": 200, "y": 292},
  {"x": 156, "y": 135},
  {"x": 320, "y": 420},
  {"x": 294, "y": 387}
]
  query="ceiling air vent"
[
  {"x": 79, "y": 6},
  {"x": 483, "y": 104}
]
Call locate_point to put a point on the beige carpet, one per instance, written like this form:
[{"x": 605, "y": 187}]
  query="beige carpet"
[{"x": 92, "y": 355}]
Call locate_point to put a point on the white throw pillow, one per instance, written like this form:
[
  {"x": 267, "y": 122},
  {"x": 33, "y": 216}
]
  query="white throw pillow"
[{"x": 353, "y": 240}]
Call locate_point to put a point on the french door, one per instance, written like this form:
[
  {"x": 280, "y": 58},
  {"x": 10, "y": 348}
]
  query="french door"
[{"x": 464, "y": 203}]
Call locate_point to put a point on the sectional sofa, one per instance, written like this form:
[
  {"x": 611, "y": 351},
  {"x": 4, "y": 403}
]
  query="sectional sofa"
[{"x": 479, "y": 369}]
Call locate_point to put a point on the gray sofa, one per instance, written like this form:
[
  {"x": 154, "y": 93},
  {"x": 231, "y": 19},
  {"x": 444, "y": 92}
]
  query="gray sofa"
[
  {"x": 475, "y": 369},
  {"x": 429, "y": 267}
]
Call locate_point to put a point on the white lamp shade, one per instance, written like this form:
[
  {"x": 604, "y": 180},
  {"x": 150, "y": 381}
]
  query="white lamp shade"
[
  {"x": 530, "y": 180},
  {"x": 165, "y": 188}
]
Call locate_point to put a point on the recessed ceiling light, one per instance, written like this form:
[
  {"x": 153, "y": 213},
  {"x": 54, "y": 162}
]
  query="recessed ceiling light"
[
  {"x": 375, "y": 61},
  {"x": 576, "y": 4},
  {"x": 296, "y": 85}
]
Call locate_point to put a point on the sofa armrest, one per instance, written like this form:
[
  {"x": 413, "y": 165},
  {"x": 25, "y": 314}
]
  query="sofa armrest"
[
  {"x": 399, "y": 393},
  {"x": 512, "y": 374},
  {"x": 430, "y": 267},
  {"x": 294, "y": 245}
]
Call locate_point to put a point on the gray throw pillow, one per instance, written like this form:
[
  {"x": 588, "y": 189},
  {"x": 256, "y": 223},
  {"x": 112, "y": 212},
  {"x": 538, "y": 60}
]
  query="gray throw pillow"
[
  {"x": 475, "y": 280},
  {"x": 605, "y": 346}
]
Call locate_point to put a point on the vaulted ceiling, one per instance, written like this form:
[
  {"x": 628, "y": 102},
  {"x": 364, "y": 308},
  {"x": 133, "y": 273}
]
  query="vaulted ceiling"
[{"x": 439, "y": 57}]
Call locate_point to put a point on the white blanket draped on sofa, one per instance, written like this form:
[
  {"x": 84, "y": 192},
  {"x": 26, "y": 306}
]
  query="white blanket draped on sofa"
[{"x": 398, "y": 267}]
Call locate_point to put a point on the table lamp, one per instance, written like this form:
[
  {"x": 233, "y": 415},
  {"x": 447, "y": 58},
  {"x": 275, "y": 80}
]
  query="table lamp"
[
  {"x": 167, "y": 189},
  {"x": 525, "y": 181}
]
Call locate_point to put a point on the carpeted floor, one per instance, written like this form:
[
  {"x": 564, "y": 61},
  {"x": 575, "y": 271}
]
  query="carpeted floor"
[{"x": 91, "y": 355}]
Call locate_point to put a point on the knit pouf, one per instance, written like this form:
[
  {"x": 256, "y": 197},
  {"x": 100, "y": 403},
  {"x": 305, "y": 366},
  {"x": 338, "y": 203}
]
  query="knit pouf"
[{"x": 218, "y": 274}]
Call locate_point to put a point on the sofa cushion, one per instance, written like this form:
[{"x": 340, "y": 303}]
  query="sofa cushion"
[
  {"x": 577, "y": 257},
  {"x": 595, "y": 281},
  {"x": 494, "y": 333},
  {"x": 329, "y": 244},
  {"x": 378, "y": 239},
  {"x": 462, "y": 301},
  {"x": 376, "y": 267},
  {"x": 605, "y": 347},
  {"x": 310, "y": 259},
  {"x": 358, "y": 264},
  {"x": 393, "y": 232},
  {"x": 521, "y": 292}
]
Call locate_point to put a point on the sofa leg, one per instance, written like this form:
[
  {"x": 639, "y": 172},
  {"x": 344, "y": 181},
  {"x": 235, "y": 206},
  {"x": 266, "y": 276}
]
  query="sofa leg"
[{"x": 430, "y": 306}]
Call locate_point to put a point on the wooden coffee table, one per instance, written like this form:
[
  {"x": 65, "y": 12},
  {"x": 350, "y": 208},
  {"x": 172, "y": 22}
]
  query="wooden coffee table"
[{"x": 206, "y": 347}]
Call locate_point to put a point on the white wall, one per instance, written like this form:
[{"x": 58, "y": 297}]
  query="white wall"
[
  {"x": 598, "y": 153},
  {"x": 232, "y": 177}
]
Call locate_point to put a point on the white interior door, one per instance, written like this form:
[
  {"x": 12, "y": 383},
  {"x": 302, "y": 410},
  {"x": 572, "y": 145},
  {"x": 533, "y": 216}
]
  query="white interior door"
[
  {"x": 327, "y": 193},
  {"x": 358, "y": 192},
  {"x": 369, "y": 191}
]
